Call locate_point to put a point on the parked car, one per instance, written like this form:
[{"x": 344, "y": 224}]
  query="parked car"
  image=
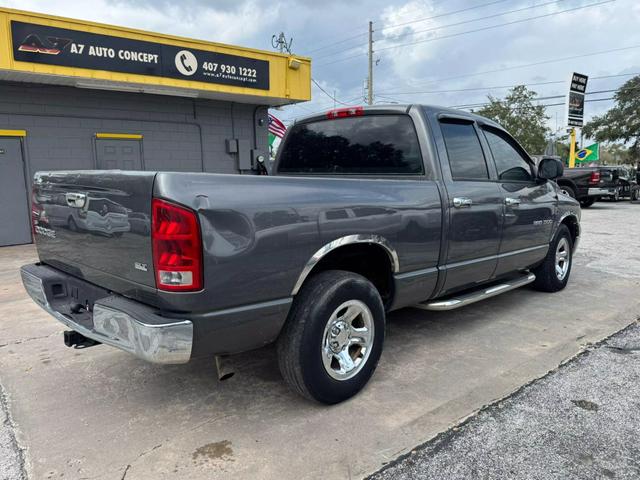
[
  {"x": 624, "y": 181},
  {"x": 369, "y": 210},
  {"x": 588, "y": 184},
  {"x": 635, "y": 185}
]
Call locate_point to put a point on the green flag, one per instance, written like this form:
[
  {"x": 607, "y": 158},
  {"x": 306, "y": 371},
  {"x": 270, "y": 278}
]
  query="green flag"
[{"x": 589, "y": 154}]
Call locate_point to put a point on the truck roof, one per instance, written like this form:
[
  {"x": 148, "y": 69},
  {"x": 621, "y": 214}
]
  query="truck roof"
[{"x": 403, "y": 108}]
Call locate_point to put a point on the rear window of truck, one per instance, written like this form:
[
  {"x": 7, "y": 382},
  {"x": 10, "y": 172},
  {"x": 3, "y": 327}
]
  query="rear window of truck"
[{"x": 370, "y": 144}]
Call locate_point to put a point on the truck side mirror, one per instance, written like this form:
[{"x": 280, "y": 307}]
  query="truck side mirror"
[{"x": 550, "y": 168}]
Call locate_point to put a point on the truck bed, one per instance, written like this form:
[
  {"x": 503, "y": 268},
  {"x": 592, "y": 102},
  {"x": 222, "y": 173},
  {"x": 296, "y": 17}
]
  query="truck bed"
[{"x": 261, "y": 237}]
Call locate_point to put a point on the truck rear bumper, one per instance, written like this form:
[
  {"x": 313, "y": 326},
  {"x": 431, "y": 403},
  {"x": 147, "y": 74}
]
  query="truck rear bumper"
[
  {"x": 601, "y": 192},
  {"x": 112, "y": 320}
]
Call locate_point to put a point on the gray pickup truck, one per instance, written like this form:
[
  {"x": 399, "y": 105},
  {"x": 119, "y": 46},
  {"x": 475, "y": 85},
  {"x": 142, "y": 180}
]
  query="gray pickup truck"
[{"x": 368, "y": 210}]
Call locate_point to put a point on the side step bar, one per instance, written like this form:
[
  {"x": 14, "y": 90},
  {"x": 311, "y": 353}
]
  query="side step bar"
[{"x": 475, "y": 296}]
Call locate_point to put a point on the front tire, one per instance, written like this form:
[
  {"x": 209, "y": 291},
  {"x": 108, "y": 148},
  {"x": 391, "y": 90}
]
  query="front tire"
[
  {"x": 553, "y": 273},
  {"x": 568, "y": 191},
  {"x": 333, "y": 337}
]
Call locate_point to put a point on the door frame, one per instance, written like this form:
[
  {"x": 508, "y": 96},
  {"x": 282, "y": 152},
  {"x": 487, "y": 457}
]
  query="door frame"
[
  {"x": 21, "y": 135},
  {"x": 435, "y": 117},
  {"x": 117, "y": 136},
  {"x": 527, "y": 254}
]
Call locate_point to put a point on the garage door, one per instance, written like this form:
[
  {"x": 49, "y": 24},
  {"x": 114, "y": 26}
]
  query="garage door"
[
  {"x": 119, "y": 154},
  {"x": 15, "y": 227}
]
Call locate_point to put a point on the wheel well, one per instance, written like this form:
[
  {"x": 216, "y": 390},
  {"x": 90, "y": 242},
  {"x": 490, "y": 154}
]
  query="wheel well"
[
  {"x": 367, "y": 259},
  {"x": 574, "y": 227},
  {"x": 567, "y": 183}
]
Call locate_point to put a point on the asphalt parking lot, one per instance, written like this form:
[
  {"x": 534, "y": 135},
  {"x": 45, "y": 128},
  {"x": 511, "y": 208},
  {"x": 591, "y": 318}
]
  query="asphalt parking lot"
[{"x": 100, "y": 413}]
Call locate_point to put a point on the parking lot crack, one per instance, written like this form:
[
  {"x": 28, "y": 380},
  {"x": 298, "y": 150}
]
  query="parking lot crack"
[
  {"x": 148, "y": 451},
  {"x": 28, "y": 339},
  {"x": 623, "y": 350},
  {"x": 126, "y": 470}
]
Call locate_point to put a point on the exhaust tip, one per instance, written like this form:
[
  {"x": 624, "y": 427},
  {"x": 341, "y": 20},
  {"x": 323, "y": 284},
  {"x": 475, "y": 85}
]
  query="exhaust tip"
[{"x": 223, "y": 368}]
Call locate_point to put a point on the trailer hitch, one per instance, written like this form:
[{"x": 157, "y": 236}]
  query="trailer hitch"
[{"x": 77, "y": 340}]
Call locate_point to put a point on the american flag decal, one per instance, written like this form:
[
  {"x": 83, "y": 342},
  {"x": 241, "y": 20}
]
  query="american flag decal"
[{"x": 276, "y": 127}]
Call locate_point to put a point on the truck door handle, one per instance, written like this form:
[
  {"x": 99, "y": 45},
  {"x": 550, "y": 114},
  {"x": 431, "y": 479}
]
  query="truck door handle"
[
  {"x": 462, "y": 202},
  {"x": 512, "y": 202}
]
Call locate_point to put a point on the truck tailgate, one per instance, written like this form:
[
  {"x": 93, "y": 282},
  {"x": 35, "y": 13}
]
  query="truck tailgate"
[{"x": 96, "y": 225}]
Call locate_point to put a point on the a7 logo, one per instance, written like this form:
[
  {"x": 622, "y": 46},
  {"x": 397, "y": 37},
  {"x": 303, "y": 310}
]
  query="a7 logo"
[{"x": 52, "y": 46}]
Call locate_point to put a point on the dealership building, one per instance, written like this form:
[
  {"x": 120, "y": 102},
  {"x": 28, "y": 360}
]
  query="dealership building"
[{"x": 82, "y": 95}]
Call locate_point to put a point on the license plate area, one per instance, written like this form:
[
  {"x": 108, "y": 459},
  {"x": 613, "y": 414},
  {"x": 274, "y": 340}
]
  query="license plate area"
[{"x": 68, "y": 295}]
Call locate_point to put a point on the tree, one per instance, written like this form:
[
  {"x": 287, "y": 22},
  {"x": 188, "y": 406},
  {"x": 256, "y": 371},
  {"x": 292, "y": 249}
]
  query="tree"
[
  {"x": 520, "y": 117},
  {"x": 614, "y": 154},
  {"x": 621, "y": 124}
]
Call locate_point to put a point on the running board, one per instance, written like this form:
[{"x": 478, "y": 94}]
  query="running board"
[{"x": 473, "y": 297}]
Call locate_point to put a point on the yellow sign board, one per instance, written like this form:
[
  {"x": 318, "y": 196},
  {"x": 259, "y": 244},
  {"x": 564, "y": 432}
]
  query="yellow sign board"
[{"x": 49, "y": 49}]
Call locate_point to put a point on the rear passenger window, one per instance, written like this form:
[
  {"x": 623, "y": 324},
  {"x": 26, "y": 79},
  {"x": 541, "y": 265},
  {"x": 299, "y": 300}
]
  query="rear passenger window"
[{"x": 466, "y": 158}]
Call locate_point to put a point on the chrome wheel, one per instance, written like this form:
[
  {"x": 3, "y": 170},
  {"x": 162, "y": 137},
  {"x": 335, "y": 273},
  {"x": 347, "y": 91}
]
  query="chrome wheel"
[
  {"x": 347, "y": 340},
  {"x": 563, "y": 258}
]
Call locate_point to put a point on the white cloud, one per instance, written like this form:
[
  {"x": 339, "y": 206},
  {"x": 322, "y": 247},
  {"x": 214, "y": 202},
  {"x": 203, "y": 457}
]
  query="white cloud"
[
  {"x": 238, "y": 25},
  {"x": 404, "y": 24}
]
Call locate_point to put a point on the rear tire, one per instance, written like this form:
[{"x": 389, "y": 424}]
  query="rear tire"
[
  {"x": 553, "y": 273},
  {"x": 587, "y": 202},
  {"x": 323, "y": 353}
]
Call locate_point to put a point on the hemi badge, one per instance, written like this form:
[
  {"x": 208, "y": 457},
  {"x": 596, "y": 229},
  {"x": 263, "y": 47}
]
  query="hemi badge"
[{"x": 140, "y": 266}]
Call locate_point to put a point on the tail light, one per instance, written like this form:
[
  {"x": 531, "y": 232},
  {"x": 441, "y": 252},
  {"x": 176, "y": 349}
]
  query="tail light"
[
  {"x": 595, "y": 178},
  {"x": 345, "y": 112},
  {"x": 177, "y": 249}
]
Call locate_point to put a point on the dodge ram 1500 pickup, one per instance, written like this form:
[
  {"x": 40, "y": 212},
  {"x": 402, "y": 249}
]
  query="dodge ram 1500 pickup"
[
  {"x": 368, "y": 210},
  {"x": 588, "y": 184}
]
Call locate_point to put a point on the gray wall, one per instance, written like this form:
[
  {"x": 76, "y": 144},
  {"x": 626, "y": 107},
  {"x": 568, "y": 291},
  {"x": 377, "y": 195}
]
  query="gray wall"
[{"x": 179, "y": 134}]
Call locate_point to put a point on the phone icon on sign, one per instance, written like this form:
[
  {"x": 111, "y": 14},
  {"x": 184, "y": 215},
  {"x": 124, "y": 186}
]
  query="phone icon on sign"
[
  {"x": 186, "y": 62},
  {"x": 183, "y": 60}
]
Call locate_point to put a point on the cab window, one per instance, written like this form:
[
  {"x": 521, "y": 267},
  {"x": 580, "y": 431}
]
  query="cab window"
[
  {"x": 361, "y": 145},
  {"x": 466, "y": 159},
  {"x": 509, "y": 162}
]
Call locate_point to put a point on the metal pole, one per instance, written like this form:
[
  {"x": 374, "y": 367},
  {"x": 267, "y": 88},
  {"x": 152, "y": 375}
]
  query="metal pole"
[
  {"x": 572, "y": 149},
  {"x": 370, "y": 78}
]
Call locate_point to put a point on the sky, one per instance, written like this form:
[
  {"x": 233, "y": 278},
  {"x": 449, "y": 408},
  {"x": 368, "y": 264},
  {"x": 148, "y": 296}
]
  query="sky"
[{"x": 443, "y": 52}]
